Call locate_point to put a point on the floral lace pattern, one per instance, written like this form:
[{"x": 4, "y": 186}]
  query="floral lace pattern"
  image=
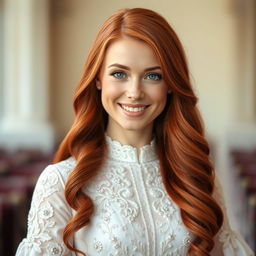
[
  {"x": 226, "y": 238},
  {"x": 128, "y": 153},
  {"x": 116, "y": 189},
  {"x": 133, "y": 216},
  {"x": 41, "y": 216},
  {"x": 161, "y": 204}
]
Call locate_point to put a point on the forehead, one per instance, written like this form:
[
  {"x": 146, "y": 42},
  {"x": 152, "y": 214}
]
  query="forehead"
[{"x": 130, "y": 52}]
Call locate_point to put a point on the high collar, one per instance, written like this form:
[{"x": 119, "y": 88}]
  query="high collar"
[{"x": 128, "y": 153}]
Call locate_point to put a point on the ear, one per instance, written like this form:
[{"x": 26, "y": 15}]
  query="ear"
[{"x": 98, "y": 84}]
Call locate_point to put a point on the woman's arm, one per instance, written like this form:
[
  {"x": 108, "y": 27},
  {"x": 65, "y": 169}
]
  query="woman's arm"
[{"x": 47, "y": 217}]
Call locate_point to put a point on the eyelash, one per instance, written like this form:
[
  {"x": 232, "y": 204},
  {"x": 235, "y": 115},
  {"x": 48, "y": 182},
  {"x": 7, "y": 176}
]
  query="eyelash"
[
  {"x": 117, "y": 72},
  {"x": 114, "y": 74},
  {"x": 159, "y": 77}
]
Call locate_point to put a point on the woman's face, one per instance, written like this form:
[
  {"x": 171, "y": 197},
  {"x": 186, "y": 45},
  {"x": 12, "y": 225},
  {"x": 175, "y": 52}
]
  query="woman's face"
[{"x": 133, "y": 90}]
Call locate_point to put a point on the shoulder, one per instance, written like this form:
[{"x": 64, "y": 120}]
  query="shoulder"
[
  {"x": 50, "y": 186},
  {"x": 53, "y": 178},
  {"x": 58, "y": 171}
]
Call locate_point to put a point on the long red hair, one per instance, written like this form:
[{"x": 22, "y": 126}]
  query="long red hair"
[{"x": 183, "y": 151}]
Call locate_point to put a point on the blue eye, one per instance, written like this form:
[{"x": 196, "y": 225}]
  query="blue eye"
[
  {"x": 118, "y": 74},
  {"x": 154, "y": 77}
]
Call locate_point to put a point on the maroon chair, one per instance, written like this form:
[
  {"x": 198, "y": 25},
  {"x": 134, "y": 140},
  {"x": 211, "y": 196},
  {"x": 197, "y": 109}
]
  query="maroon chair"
[
  {"x": 1, "y": 225},
  {"x": 248, "y": 170},
  {"x": 243, "y": 157},
  {"x": 30, "y": 172},
  {"x": 13, "y": 193},
  {"x": 251, "y": 221},
  {"x": 244, "y": 162},
  {"x": 249, "y": 185},
  {"x": 19, "y": 172}
]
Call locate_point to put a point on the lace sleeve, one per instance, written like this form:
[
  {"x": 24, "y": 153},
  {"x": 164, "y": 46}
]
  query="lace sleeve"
[
  {"x": 47, "y": 217},
  {"x": 227, "y": 241}
]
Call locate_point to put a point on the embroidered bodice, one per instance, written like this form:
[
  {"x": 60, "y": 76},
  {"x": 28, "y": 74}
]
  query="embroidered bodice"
[{"x": 133, "y": 214}]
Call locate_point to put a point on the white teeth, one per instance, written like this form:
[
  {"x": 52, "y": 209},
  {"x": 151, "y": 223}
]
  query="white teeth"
[{"x": 131, "y": 109}]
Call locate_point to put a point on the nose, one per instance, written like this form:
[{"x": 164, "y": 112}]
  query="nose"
[{"x": 134, "y": 90}]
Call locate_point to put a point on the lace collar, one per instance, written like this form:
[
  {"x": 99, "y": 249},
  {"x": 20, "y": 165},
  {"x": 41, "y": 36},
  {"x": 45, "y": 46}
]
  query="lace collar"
[{"x": 128, "y": 153}]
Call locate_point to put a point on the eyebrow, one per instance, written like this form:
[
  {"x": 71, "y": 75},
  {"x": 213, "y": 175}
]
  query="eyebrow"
[{"x": 127, "y": 68}]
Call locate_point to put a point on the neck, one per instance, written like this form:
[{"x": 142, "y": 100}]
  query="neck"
[{"x": 137, "y": 139}]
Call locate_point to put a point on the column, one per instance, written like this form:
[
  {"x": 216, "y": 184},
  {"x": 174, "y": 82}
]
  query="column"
[
  {"x": 25, "y": 98},
  {"x": 247, "y": 63}
]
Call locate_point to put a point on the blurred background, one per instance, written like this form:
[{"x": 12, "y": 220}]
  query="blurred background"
[{"x": 43, "y": 47}]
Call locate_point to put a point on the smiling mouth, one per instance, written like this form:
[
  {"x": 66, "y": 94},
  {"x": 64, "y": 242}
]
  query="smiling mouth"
[{"x": 134, "y": 109}]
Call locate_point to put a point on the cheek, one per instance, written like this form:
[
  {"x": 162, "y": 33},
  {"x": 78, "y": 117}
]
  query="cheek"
[
  {"x": 159, "y": 96},
  {"x": 110, "y": 92}
]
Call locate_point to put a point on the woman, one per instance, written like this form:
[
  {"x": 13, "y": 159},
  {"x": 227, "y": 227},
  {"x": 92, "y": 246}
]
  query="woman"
[{"x": 133, "y": 175}]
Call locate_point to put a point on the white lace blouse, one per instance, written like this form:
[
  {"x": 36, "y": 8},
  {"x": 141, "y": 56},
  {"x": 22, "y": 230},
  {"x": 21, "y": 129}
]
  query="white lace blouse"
[{"x": 133, "y": 214}]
